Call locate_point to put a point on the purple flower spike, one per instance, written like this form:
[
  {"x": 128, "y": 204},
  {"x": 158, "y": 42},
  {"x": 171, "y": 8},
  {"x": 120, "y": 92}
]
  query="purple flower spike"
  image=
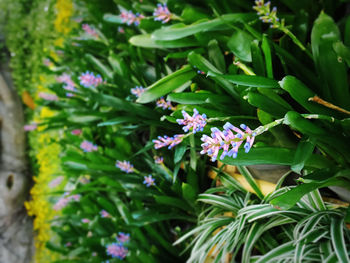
[
  {"x": 149, "y": 181},
  {"x": 48, "y": 96},
  {"x": 158, "y": 159},
  {"x": 130, "y": 18},
  {"x": 89, "y": 30},
  {"x": 161, "y": 103},
  {"x": 87, "y": 146},
  {"x": 88, "y": 79},
  {"x": 162, "y": 13},
  {"x": 227, "y": 141},
  {"x": 196, "y": 122},
  {"x": 104, "y": 214},
  {"x": 117, "y": 250},
  {"x": 168, "y": 141},
  {"x": 123, "y": 237},
  {"x": 125, "y": 166},
  {"x": 137, "y": 91}
]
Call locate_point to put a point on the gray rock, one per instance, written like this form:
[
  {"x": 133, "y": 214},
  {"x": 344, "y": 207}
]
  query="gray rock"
[{"x": 16, "y": 229}]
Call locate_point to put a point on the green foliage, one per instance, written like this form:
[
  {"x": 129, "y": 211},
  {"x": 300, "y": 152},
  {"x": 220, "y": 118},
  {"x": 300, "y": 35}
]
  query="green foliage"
[{"x": 287, "y": 81}]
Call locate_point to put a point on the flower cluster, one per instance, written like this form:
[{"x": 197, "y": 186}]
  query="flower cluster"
[
  {"x": 30, "y": 127},
  {"x": 168, "y": 141},
  {"x": 65, "y": 200},
  {"x": 69, "y": 84},
  {"x": 130, "y": 18},
  {"x": 123, "y": 237},
  {"x": 195, "y": 122},
  {"x": 76, "y": 132},
  {"x": 137, "y": 91},
  {"x": 89, "y": 30},
  {"x": 226, "y": 139},
  {"x": 48, "y": 96},
  {"x": 117, "y": 250},
  {"x": 267, "y": 15},
  {"x": 158, "y": 159},
  {"x": 56, "y": 182},
  {"x": 125, "y": 166},
  {"x": 88, "y": 79},
  {"x": 87, "y": 146},
  {"x": 149, "y": 181},
  {"x": 161, "y": 103},
  {"x": 85, "y": 220},
  {"x": 162, "y": 13},
  {"x": 104, "y": 214}
]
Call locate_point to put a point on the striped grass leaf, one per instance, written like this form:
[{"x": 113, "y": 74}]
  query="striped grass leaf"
[
  {"x": 338, "y": 241},
  {"x": 283, "y": 250},
  {"x": 248, "y": 176},
  {"x": 220, "y": 201}
]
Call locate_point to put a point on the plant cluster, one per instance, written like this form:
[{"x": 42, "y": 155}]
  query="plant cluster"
[{"x": 186, "y": 69}]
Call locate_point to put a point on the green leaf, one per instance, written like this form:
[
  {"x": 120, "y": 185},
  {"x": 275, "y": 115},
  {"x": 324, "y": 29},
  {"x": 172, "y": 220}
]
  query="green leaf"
[
  {"x": 104, "y": 70},
  {"x": 119, "y": 120},
  {"x": 304, "y": 150},
  {"x": 338, "y": 241},
  {"x": 301, "y": 94},
  {"x": 266, "y": 104},
  {"x": 83, "y": 118},
  {"x": 250, "y": 81},
  {"x": 290, "y": 198},
  {"x": 197, "y": 98},
  {"x": 180, "y": 151},
  {"x": 172, "y": 202},
  {"x": 277, "y": 253},
  {"x": 189, "y": 193},
  {"x": 239, "y": 44},
  {"x": 343, "y": 52},
  {"x": 180, "y": 31},
  {"x": 247, "y": 175},
  {"x": 273, "y": 155},
  {"x": 333, "y": 73},
  {"x": 268, "y": 59},
  {"x": 113, "y": 19},
  {"x": 216, "y": 56},
  {"x": 257, "y": 58},
  {"x": 167, "y": 84},
  {"x": 146, "y": 41}
]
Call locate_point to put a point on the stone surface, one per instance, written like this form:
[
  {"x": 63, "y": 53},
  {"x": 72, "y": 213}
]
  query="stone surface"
[{"x": 16, "y": 234}]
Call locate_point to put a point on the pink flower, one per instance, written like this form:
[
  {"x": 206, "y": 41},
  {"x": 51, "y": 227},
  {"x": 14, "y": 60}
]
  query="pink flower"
[
  {"x": 56, "y": 182},
  {"x": 149, "y": 181},
  {"x": 226, "y": 139},
  {"x": 89, "y": 30},
  {"x": 88, "y": 79},
  {"x": 137, "y": 91},
  {"x": 104, "y": 214},
  {"x": 87, "y": 146},
  {"x": 76, "y": 132},
  {"x": 30, "y": 127},
  {"x": 85, "y": 220},
  {"x": 123, "y": 237},
  {"x": 117, "y": 250},
  {"x": 158, "y": 159},
  {"x": 130, "y": 18},
  {"x": 162, "y": 13},
  {"x": 196, "y": 122},
  {"x": 48, "y": 96},
  {"x": 161, "y": 103},
  {"x": 65, "y": 78},
  {"x": 125, "y": 166},
  {"x": 168, "y": 141}
]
